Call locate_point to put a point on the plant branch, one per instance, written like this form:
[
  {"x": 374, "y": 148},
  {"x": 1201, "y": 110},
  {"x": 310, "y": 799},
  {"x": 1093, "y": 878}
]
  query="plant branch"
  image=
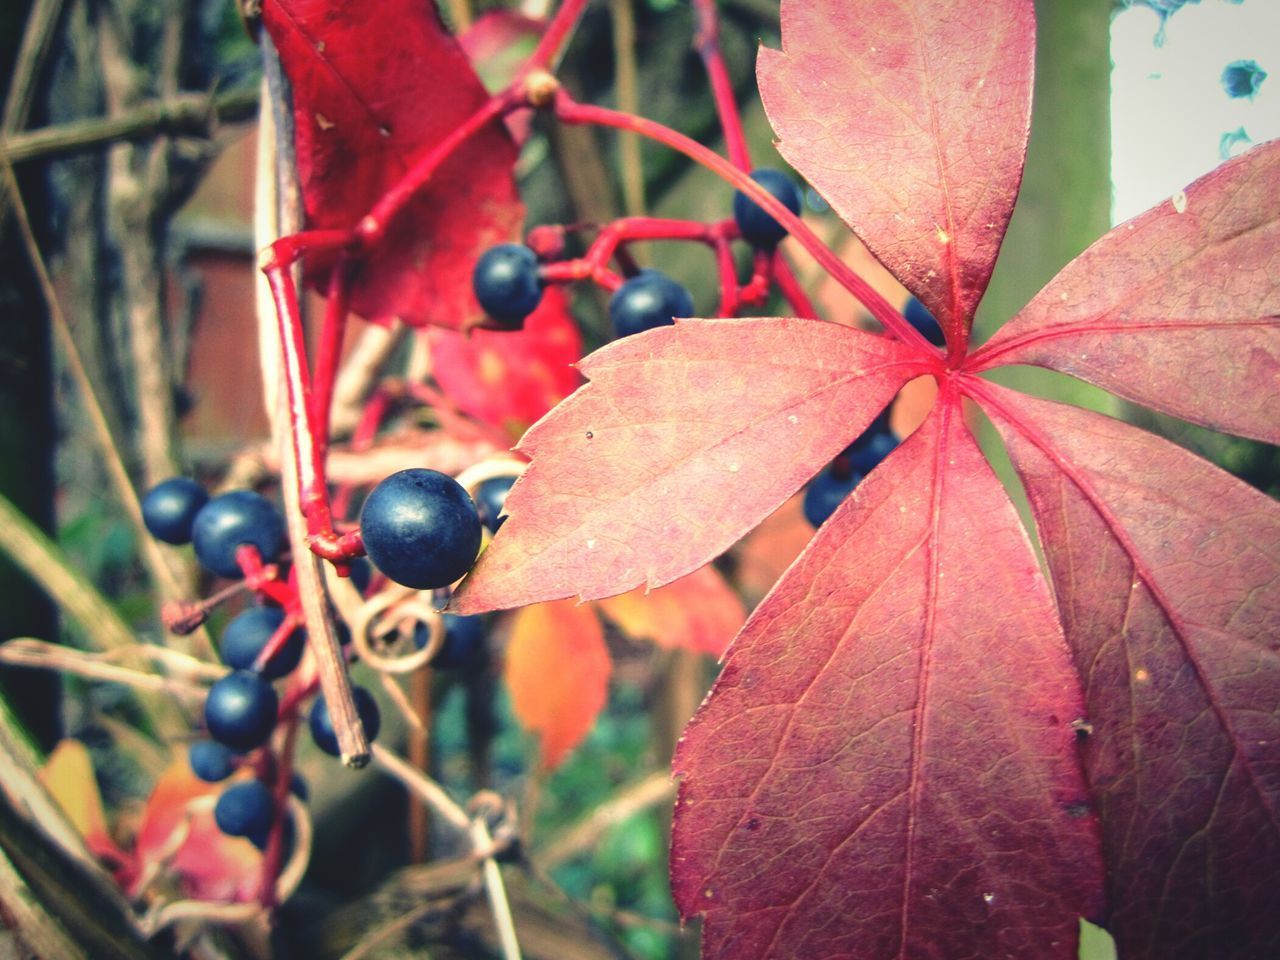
[
  {"x": 625, "y": 72},
  {"x": 419, "y": 784},
  {"x": 626, "y": 803},
  {"x": 497, "y": 893},
  {"x": 191, "y": 114},
  {"x": 570, "y": 111}
]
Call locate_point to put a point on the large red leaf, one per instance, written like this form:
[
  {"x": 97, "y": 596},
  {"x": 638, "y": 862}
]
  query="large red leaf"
[
  {"x": 1178, "y": 309},
  {"x": 373, "y": 91},
  {"x": 886, "y": 767},
  {"x": 686, "y": 437},
  {"x": 911, "y": 119},
  {"x": 1167, "y": 572},
  {"x": 510, "y": 378}
]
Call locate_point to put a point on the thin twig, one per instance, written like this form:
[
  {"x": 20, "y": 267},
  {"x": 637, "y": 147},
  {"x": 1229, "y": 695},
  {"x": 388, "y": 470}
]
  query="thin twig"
[
  {"x": 29, "y": 652},
  {"x": 423, "y": 786},
  {"x": 189, "y": 114},
  {"x": 626, "y": 803},
  {"x": 37, "y": 37},
  {"x": 625, "y": 73},
  {"x": 497, "y": 893},
  {"x": 154, "y": 558}
]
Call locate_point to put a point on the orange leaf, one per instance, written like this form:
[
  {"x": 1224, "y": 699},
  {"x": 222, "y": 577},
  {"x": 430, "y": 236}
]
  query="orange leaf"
[
  {"x": 557, "y": 669},
  {"x": 208, "y": 864},
  {"x": 697, "y": 612},
  {"x": 68, "y": 776}
]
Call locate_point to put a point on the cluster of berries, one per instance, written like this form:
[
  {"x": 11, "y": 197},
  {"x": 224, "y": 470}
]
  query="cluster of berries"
[
  {"x": 420, "y": 528},
  {"x": 508, "y": 284}
]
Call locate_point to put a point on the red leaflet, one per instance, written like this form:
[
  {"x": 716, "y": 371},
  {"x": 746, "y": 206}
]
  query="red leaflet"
[
  {"x": 887, "y": 766},
  {"x": 368, "y": 102},
  {"x": 686, "y": 438},
  {"x": 877, "y": 105},
  {"x": 1167, "y": 572},
  {"x": 1178, "y": 309},
  {"x": 511, "y": 378}
]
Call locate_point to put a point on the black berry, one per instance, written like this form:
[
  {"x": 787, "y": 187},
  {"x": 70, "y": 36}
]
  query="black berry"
[
  {"x": 322, "y": 731},
  {"x": 649, "y": 299},
  {"x": 249, "y": 632},
  {"x": 240, "y": 710},
  {"x": 918, "y": 315},
  {"x": 758, "y": 228},
  {"x": 245, "y": 810},
  {"x": 491, "y": 496},
  {"x": 420, "y": 528},
  {"x": 826, "y": 492},
  {"x": 231, "y": 520},
  {"x": 464, "y": 646},
  {"x": 506, "y": 283},
  {"x": 170, "y": 507},
  {"x": 211, "y": 761}
]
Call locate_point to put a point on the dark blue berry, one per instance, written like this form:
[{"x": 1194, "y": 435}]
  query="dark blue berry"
[
  {"x": 864, "y": 456},
  {"x": 758, "y": 228},
  {"x": 230, "y": 520},
  {"x": 211, "y": 761},
  {"x": 491, "y": 496},
  {"x": 240, "y": 710},
  {"x": 826, "y": 492},
  {"x": 248, "y": 633},
  {"x": 170, "y": 507},
  {"x": 299, "y": 788},
  {"x": 649, "y": 299},
  {"x": 322, "y": 731},
  {"x": 506, "y": 283},
  {"x": 918, "y": 315},
  {"x": 464, "y": 646},
  {"x": 245, "y": 810},
  {"x": 420, "y": 528},
  {"x": 361, "y": 574}
]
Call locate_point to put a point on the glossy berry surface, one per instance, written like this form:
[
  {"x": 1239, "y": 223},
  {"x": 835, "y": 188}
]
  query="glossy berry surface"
[
  {"x": 245, "y": 810},
  {"x": 463, "y": 648},
  {"x": 757, "y": 227},
  {"x": 490, "y": 497},
  {"x": 230, "y": 520},
  {"x": 240, "y": 710},
  {"x": 211, "y": 761},
  {"x": 249, "y": 631},
  {"x": 649, "y": 299},
  {"x": 420, "y": 528},
  {"x": 506, "y": 283},
  {"x": 321, "y": 723},
  {"x": 827, "y": 491},
  {"x": 918, "y": 315},
  {"x": 170, "y": 507}
]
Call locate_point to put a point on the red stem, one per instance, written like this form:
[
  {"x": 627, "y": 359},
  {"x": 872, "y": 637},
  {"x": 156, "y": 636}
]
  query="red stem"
[
  {"x": 570, "y": 111},
  {"x": 707, "y": 42},
  {"x": 329, "y": 351},
  {"x": 791, "y": 289},
  {"x": 554, "y": 38}
]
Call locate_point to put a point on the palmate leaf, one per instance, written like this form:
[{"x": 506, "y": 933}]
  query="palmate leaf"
[
  {"x": 888, "y": 766},
  {"x": 368, "y": 101}
]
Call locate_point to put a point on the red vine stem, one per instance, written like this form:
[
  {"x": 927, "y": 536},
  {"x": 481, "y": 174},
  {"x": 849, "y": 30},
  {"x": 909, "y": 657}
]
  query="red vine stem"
[
  {"x": 707, "y": 43},
  {"x": 568, "y": 110},
  {"x": 547, "y": 53}
]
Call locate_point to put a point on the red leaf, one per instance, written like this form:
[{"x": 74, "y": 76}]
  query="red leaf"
[
  {"x": 1167, "y": 571},
  {"x": 511, "y": 378},
  {"x": 1178, "y": 309},
  {"x": 699, "y": 612},
  {"x": 686, "y": 438},
  {"x": 557, "y": 669},
  {"x": 911, "y": 119},
  {"x": 374, "y": 91},
  {"x": 886, "y": 766}
]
